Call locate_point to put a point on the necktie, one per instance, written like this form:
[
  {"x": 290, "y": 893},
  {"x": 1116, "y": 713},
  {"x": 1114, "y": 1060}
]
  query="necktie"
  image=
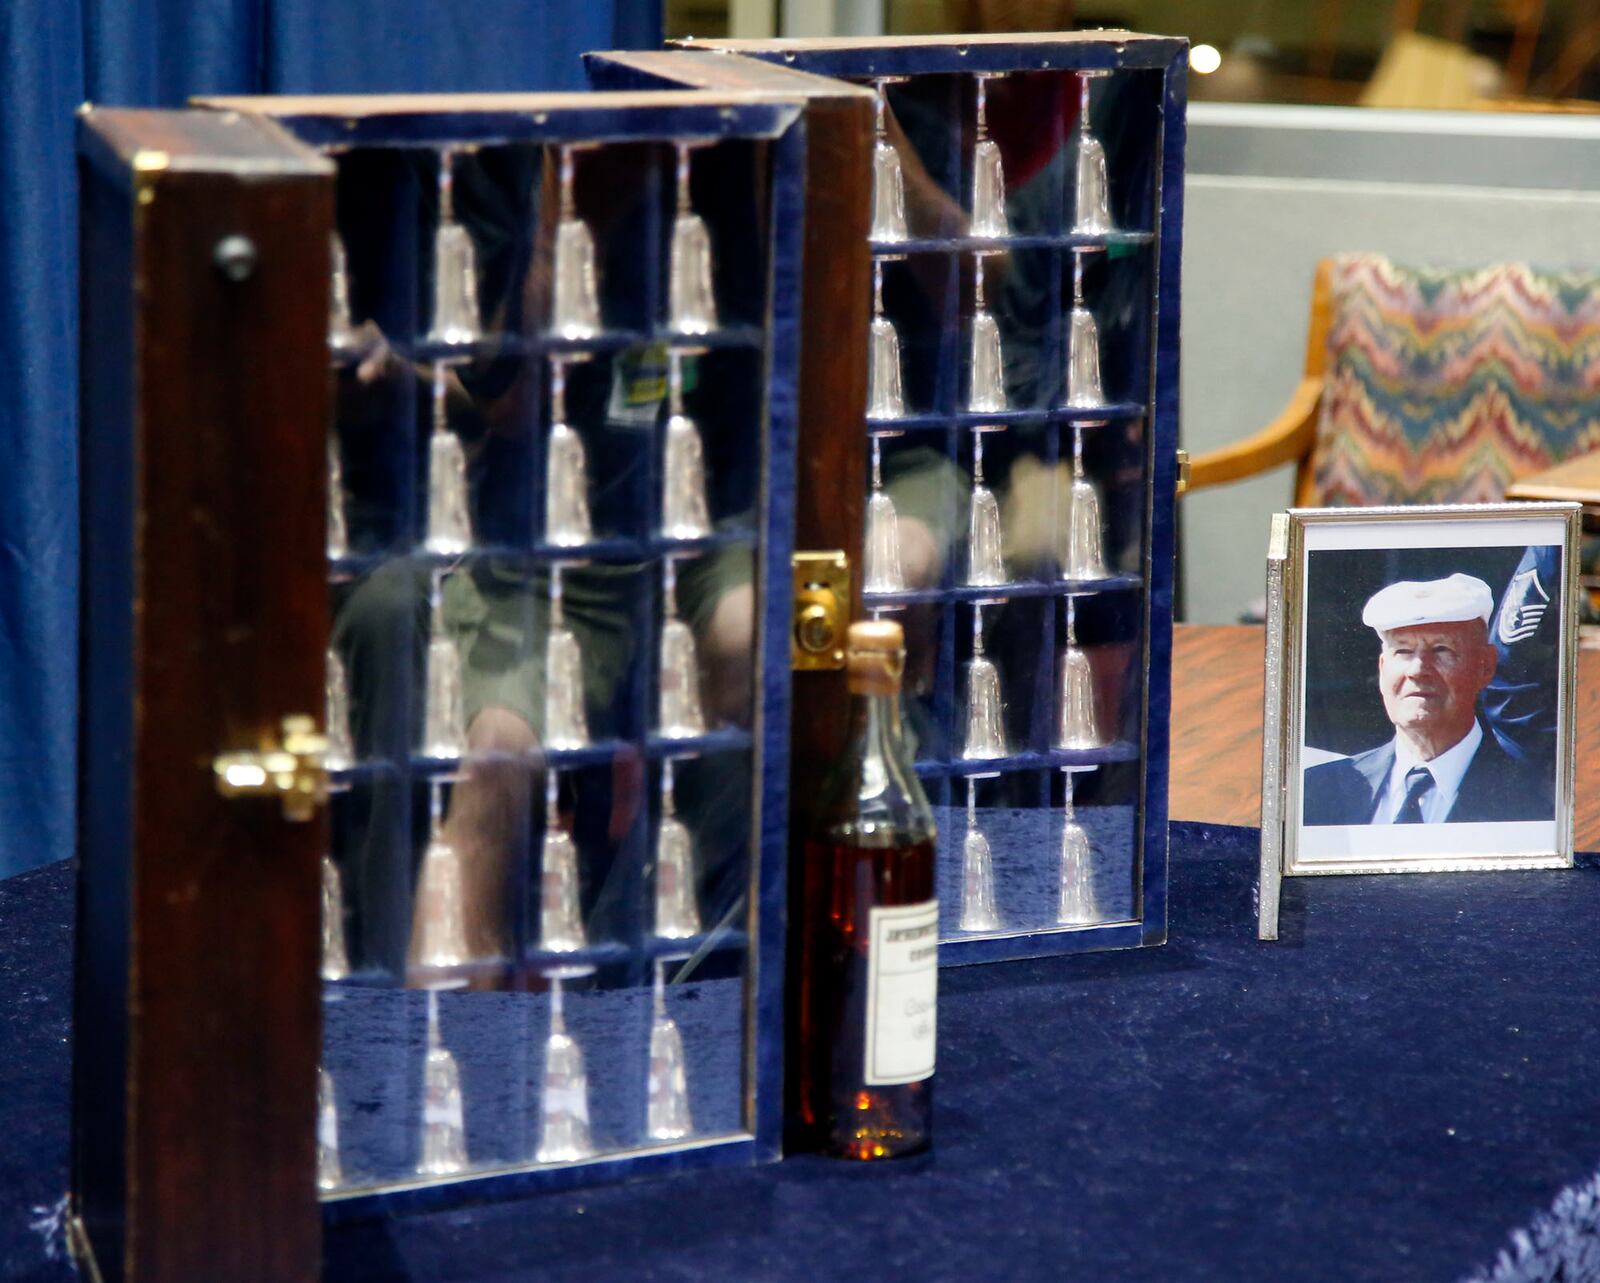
[{"x": 1418, "y": 781}]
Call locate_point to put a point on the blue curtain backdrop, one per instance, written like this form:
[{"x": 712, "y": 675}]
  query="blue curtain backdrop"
[{"x": 59, "y": 53}]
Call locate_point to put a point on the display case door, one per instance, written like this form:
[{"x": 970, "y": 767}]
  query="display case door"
[{"x": 202, "y": 626}]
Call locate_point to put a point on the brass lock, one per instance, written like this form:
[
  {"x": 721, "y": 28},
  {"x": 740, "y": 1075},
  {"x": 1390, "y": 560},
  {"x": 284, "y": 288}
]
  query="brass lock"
[
  {"x": 821, "y": 605},
  {"x": 291, "y": 769}
]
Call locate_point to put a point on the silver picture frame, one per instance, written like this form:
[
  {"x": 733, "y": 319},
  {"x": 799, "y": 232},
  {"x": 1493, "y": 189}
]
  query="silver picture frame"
[{"x": 1325, "y": 567}]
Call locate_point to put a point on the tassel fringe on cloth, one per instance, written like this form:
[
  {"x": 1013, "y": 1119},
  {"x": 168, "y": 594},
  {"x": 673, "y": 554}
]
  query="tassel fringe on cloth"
[{"x": 1560, "y": 1246}]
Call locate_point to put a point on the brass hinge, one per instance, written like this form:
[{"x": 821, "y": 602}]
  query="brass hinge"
[
  {"x": 821, "y": 608},
  {"x": 1183, "y": 471},
  {"x": 291, "y": 769}
]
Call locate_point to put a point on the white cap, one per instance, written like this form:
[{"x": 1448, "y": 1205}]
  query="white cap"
[{"x": 1429, "y": 601}]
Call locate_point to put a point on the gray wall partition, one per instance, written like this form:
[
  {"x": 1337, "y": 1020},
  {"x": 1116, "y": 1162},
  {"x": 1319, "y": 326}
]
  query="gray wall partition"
[{"x": 1270, "y": 191}]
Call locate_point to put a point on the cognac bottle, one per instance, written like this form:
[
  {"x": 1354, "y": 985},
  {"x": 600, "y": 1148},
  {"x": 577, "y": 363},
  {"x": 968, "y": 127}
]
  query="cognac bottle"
[{"x": 870, "y": 940}]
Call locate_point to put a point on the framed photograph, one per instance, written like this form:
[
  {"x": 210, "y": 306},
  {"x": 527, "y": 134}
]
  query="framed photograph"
[{"x": 1419, "y": 695}]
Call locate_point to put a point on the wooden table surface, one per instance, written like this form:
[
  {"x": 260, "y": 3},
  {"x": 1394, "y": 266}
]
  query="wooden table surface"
[
  {"x": 1578, "y": 479},
  {"x": 1217, "y": 675}
]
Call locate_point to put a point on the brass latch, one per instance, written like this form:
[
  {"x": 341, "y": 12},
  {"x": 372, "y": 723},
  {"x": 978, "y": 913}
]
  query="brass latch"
[
  {"x": 1183, "y": 471},
  {"x": 821, "y": 606},
  {"x": 292, "y": 770}
]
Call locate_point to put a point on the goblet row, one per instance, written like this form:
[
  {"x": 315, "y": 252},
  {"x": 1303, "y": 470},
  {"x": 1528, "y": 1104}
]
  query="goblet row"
[
  {"x": 568, "y": 523},
  {"x": 680, "y": 712},
  {"x": 987, "y": 216},
  {"x": 442, "y": 952},
  {"x": 1078, "y": 724},
  {"x": 575, "y": 314},
  {"x": 1079, "y": 542},
  {"x": 1076, "y": 904},
  {"x": 986, "y": 367},
  {"x": 564, "y": 1132}
]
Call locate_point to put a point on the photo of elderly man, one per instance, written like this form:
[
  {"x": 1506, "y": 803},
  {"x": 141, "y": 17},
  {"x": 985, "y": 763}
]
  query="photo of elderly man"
[{"x": 1442, "y": 763}]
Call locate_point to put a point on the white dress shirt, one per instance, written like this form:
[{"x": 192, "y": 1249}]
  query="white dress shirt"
[{"x": 1447, "y": 770}]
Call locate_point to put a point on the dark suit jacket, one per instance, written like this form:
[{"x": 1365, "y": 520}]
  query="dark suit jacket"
[{"x": 1496, "y": 787}]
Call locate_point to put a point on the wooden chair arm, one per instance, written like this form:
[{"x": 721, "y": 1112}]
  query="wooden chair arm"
[{"x": 1287, "y": 439}]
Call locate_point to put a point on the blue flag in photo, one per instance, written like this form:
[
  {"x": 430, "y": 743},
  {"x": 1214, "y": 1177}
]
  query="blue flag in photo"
[{"x": 1519, "y": 705}]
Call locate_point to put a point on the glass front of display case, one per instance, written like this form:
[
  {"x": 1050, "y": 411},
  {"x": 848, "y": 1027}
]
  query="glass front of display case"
[
  {"x": 1011, "y": 454},
  {"x": 1006, "y": 520},
  {"x": 547, "y": 518}
]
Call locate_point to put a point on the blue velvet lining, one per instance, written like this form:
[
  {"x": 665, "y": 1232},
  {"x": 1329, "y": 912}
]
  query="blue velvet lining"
[
  {"x": 374, "y": 1054},
  {"x": 1560, "y": 1246},
  {"x": 1380, "y": 1096}
]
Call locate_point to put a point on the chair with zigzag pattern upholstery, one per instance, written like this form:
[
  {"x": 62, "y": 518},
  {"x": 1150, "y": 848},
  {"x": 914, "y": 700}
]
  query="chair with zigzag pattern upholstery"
[{"x": 1431, "y": 386}]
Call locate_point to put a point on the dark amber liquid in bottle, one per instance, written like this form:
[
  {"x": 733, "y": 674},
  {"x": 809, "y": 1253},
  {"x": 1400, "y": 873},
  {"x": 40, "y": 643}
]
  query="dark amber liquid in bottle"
[{"x": 845, "y": 1115}]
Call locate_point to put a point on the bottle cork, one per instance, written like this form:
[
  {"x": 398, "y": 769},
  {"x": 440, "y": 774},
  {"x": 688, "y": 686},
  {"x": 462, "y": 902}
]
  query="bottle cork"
[{"x": 875, "y": 656}]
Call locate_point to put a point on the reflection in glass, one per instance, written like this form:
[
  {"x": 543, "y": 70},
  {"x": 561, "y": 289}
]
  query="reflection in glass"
[
  {"x": 978, "y": 911},
  {"x": 455, "y": 269},
  {"x": 492, "y": 656},
  {"x": 988, "y": 177},
  {"x": 667, "y": 1114},
  {"x": 987, "y": 367},
  {"x": 564, "y": 1094},
  {"x": 335, "y": 955},
  {"x": 888, "y": 178},
  {"x": 449, "y": 521},
  {"x": 561, "y": 927},
  {"x": 885, "y": 392},
  {"x": 1076, "y": 906},
  {"x": 1092, "y": 212},
  {"x": 439, "y": 931},
  {"x": 341, "y": 329},
  {"x": 338, "y": 527},
  {"x": 566, "y": 482},
  {"x": 330, "y": 1171},
  {"x": 1084, "y": 391},
  {"x": 1077, "y": 726},
  {"x": 575, "y": 302},
  {"x": 341, "y": 751},
  {"x": 444, "y": 731},
  {"x": 566, "y": 719},
  {"x": 882, "y": 553},
  {"x": 444, "y": 1138},
  {"x": 985, "y": 555},
  {"x": 986, "y": 734},
  {"x": 1083, "y": 558},
  {"x": 691, "y": 302},
  {"x": 677, "y": 914},
  {"x": 684, "y": 512},
  {"x": 679, "y": 712}
]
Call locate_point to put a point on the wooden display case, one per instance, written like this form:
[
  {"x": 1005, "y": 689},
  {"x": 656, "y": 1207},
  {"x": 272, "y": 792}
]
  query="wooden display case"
[
  {"x": 1021, "y": 872},
  {"x": 351, "y": 368}
]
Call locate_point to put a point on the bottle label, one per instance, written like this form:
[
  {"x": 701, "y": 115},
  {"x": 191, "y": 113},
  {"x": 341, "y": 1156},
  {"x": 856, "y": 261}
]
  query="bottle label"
[{"x": 902, "y": 992}]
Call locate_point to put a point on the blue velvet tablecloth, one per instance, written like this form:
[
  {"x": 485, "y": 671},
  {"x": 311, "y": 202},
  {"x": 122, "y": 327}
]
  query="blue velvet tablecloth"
[{"x": 1383, "y": 1095}]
